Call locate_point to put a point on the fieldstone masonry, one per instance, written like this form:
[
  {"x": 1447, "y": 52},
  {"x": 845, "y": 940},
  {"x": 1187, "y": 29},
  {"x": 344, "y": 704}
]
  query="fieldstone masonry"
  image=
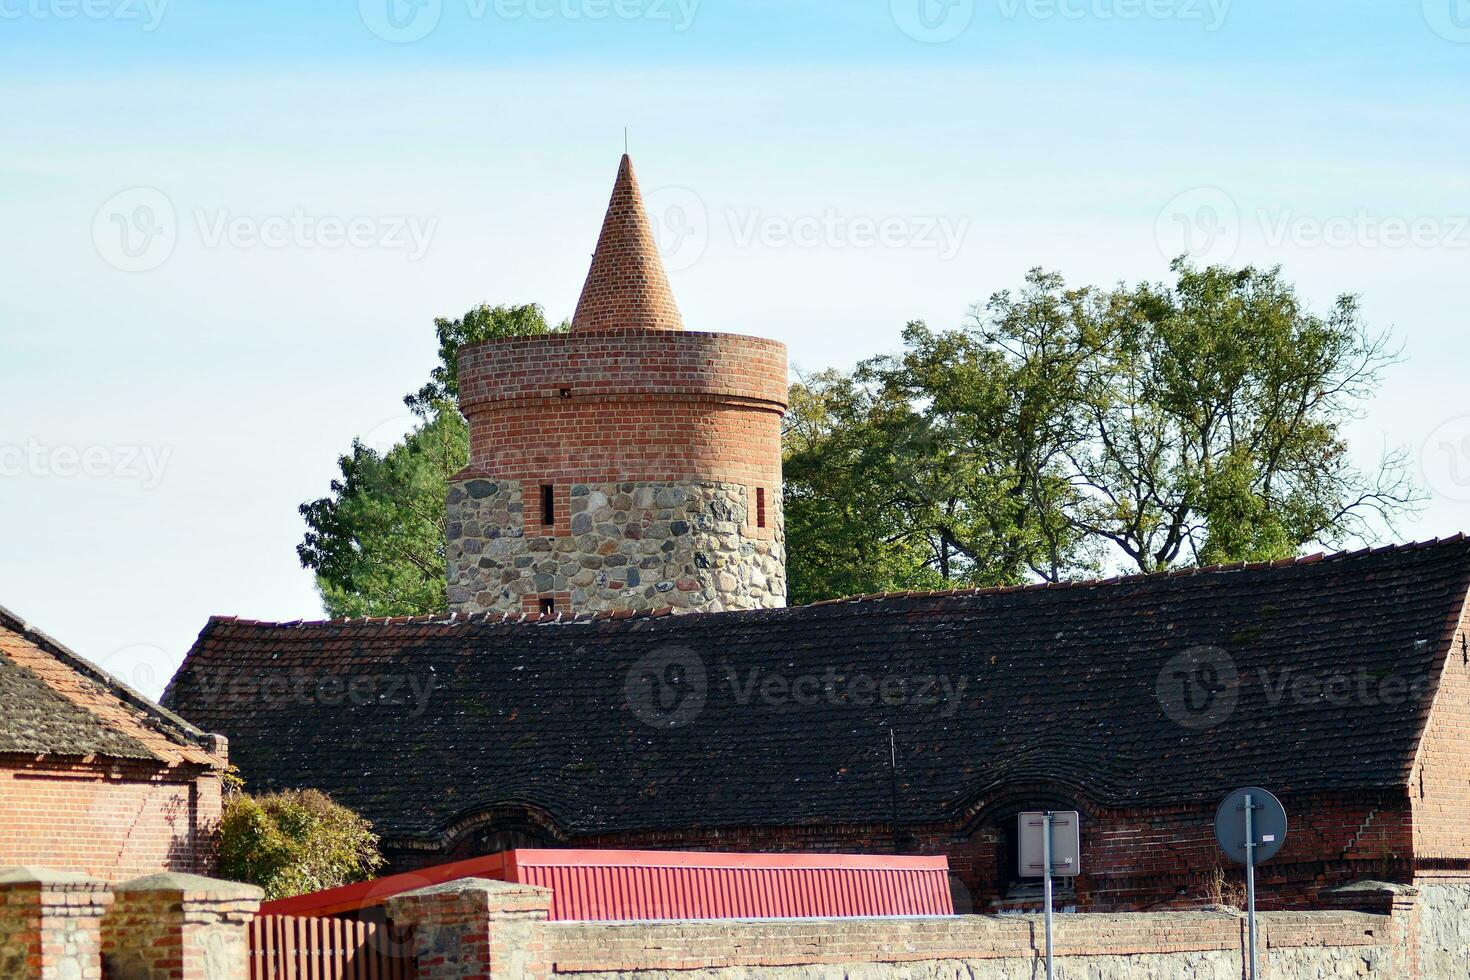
[
  {"x": 630, "y": 545},
  {"x": 50, "y": 924},
  {"x": 179, "y": 927}
]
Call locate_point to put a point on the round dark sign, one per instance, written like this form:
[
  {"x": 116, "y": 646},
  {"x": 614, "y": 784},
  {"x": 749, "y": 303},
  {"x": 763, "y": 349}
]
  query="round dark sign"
[{"x": 1268, "y": 825}]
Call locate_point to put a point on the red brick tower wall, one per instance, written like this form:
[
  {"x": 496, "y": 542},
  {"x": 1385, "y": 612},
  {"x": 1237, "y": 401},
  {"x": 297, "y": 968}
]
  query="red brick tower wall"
[{"x": 628, "y": 464}]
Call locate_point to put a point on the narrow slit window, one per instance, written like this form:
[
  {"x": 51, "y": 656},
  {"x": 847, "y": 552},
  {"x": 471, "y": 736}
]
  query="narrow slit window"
[
  {"x": 548, "y": 606},
  {"x": 760, "y": 506},
  {"x": 548, "y": 505}
]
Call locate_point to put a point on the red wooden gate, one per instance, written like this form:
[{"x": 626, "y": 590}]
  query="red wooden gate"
[{"x": 296, "y": 947}]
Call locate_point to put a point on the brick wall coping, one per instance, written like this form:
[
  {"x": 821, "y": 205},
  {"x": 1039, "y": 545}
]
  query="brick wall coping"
[
  {"x": 582, "y": 947},
  {"x": 192, "y": 888},
  {"x": 49, "y": 879},
  {"x": 624, "y": 363}
]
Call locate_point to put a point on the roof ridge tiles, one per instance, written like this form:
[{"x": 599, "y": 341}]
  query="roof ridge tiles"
[{"x": 461, "y": 618}]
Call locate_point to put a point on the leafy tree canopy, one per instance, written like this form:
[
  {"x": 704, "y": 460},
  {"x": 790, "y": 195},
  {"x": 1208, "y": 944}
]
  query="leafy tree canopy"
[
  {"x": 1067, "y": 430},
  {"x": 376, "y": 541},
  {"x": 295, "y": 842}
]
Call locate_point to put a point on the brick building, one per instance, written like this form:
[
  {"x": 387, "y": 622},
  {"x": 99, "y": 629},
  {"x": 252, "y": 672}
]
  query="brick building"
[
  {"x": 555, "y": 706},
  {"x": 94, "y": 777}
]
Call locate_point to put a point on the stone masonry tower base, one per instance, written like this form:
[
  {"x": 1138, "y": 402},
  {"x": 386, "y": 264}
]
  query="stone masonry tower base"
[{"x": 626, "y": 465}]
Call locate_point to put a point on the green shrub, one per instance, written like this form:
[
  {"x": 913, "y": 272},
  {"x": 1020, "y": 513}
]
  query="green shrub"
[{"x": 295, "y": 842}]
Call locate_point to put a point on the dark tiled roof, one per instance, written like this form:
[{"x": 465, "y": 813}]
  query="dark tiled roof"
[
  {"x": 1065, "y": 683},
  {"x": 53, "y": 702}
]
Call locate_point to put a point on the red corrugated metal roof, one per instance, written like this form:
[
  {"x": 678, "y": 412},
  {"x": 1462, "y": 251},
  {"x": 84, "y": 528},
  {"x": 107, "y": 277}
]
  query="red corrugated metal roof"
[{"x": 621, "y": 885}]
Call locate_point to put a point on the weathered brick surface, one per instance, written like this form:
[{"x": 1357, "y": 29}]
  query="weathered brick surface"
[
  {"x": 115, "y": 820},
  {"x": 49, "y": 924},
  {"x": 179, "y": 927},
  {"x": 606, "y": 415},
  {"x": 474, "y": 929},
  {"x": 479, "y": 929},
  {"x": 626, "y": 285}
]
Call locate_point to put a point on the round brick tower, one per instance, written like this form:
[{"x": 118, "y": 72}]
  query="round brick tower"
[{"x": 628, "y": 464}]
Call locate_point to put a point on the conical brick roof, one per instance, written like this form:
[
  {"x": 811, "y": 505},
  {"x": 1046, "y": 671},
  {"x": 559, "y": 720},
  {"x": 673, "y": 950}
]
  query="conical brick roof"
[{"x": 626, "y": 286}]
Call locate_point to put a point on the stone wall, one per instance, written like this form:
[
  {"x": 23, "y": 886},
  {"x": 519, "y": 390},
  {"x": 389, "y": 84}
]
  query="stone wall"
[
  {"x": 1444, "y": 929},
  {"x": 510, "y": 924},
  {"x": 627, "y": 545}
]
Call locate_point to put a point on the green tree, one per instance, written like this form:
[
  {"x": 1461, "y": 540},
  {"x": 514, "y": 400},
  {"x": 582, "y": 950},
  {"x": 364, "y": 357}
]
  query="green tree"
[
  {"x": 295, "y": 842},
  {"x": 1212, "y": 417},
  {"x": 1065, "y": 430},
  {"x": 376, "y": 541}
]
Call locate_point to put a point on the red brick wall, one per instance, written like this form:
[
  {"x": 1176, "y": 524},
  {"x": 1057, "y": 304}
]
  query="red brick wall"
[
  {"x": 626, "y": 405},
  {"x": 1439, "y": 786},
  {"x": 111, "y": 820},
  {"x": 595, "y": 441},
  {"x": 1153, "y": 858}
]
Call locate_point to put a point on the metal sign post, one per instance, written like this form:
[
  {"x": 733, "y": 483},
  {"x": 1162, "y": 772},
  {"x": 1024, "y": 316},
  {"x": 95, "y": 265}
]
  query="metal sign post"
[
  {"x": 1046, "y": 886},
  {"x": 1251, "y": 828},
  {"x": 1249, "y": 807},
  {"x": 1050, "y": 845}
]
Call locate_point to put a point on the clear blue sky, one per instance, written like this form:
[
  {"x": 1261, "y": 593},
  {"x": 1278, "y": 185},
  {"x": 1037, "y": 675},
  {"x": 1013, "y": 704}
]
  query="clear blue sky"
[{"x": 229, "y": 226}]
